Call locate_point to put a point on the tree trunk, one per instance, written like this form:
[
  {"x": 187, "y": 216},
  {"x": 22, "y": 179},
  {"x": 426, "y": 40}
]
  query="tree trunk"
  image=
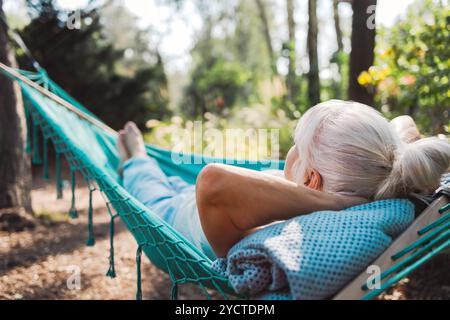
[
  {"x": 266, "y": 29},
  {"x": 290, "y": 81},
  {"x": 15, "y": 172},
  {"x": 363, "y": 44},
  {"x": 313, "y": 74},
  {"x": 337, "y": 25}
]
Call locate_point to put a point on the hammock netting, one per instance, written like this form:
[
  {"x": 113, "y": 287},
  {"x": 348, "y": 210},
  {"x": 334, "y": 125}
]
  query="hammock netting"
[{"x": 92, "y": 152}]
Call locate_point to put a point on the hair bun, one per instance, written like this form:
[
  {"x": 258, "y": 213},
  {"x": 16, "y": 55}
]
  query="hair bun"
[{"x": 417, "y": 168}]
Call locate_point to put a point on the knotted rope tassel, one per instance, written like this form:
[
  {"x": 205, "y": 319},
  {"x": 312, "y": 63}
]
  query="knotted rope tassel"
[
  {"x": 91, "y": 240},
  {"x": 138, "y": 273},
  {"x": 73, "y": 213},
  {"x": 111, "y": 271},
  {"x": 45, "y": 155},
  {"x": 59, "y": 186},
  {"x": 36, "y": 158},
  {"x": 174, "y": 293}
]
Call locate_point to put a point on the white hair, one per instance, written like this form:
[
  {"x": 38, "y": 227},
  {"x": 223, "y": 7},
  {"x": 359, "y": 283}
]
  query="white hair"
[{"x": 357, "y": 152}]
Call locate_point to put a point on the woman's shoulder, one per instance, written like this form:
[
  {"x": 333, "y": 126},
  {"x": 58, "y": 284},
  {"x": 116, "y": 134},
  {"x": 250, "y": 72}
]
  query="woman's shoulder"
[{"x": 273, "y": 172}]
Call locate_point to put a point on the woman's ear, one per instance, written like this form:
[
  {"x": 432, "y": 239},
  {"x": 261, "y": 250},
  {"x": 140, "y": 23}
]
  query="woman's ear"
[
  {"x": 291, "y": 164},
  {"x": 314, "y": 180}
]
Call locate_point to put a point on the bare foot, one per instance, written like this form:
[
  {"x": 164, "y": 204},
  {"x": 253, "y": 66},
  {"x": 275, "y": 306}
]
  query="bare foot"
[
  {"x": 133, "y": 140},
  {"x": 123, "y": 151}
]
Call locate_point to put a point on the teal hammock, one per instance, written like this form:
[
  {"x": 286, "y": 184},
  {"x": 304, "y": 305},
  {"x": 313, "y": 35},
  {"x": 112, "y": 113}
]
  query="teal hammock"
[{"x": 91, "y": 150}]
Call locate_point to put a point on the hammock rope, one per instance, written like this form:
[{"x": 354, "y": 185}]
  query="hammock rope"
[
  {"x": 73, "y": 213},
  {"x": 36, "y": 157},
  {"x": 88, "y": 146},
  {"x": 91, "y": 238},
  {"x": 58, "y": 177},
  {"x": 46, "y": 174},
  {"x": 112, "y": 270},
  {"x": 138, "y": 273}
]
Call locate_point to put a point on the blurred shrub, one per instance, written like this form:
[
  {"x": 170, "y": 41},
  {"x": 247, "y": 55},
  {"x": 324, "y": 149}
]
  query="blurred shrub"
[
  {"x": 411, "y": 73},
  {"x": 215, "y": 86}
]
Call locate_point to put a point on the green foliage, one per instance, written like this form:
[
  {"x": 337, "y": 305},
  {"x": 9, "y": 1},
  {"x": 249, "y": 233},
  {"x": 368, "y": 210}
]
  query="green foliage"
[
  {"x": 120, "y": 28},
  {"x": 51, "y": 218},
  {"x": 338, "y": 87},
  {"x": 215, "y": 86},
  {"x": 86, "y": 64},
  {"x": 230, "y": 59},
  {"x": 299, "y": 103},
  {"x": 411, "y": 74}
]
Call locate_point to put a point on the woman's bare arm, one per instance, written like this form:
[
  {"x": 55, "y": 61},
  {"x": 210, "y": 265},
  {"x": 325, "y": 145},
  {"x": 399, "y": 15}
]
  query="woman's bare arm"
[{"x": 233, "y": 202}]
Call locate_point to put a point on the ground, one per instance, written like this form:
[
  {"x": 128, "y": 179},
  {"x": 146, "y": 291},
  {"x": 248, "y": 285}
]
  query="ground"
[{"x": 36, "y": 264}]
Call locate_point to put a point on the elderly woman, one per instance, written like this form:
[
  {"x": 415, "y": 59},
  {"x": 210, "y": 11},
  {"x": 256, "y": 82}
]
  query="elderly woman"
[{"x": 345, "y": 153}]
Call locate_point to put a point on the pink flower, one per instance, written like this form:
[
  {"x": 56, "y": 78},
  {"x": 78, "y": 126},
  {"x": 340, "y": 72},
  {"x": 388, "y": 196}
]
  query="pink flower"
[{"x": 408, "y": 80}]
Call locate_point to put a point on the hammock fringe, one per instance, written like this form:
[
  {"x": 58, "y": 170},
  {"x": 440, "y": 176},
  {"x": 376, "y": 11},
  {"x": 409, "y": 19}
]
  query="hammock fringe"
[
  {"x": 46, "y": 174},
  {"x": 59, "y": 185},
  {"x": 112, "y": 270},
  {"x": 73, "y": 213},
  {"x": 36, "y": 158},
  {"x": 138, "y": 273},
  {"x": 91, "y": 239},
  {"x": 174, "y": 291}
]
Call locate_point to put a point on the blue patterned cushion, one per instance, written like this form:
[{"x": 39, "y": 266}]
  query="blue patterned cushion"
[{"x": 313, "y": 256}]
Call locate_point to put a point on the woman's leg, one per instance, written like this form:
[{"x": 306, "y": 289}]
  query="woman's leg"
[
  {"x": 174, "y": 203},
  {"x": 145, "y": 181},
  {"x": 170, "y": 198},
  {"x": 142, "y": 177}
]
